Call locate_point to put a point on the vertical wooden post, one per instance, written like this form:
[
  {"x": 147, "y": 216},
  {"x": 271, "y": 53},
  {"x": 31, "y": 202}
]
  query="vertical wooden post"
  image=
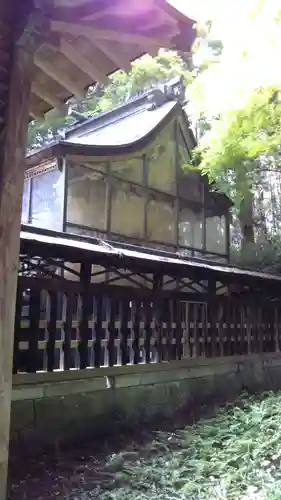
[
  {"x": 212, "y": 316},
  {"x": 177, "y": 180},
  {"x": 65, "y": 195},
  {"x": 14, "y": 100},
  {"x": 204, "y": 219},
  {"x": 158, "y": 320},
  {"x": 145, "y": 167},
  {"x": 108, "y": 200},
  {"x": 227, "y": 235},
  {"x": 86, "y": 310}
]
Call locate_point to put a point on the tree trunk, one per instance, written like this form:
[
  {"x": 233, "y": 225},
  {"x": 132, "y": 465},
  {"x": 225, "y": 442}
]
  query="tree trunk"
[{"x": 246, "y": 219}]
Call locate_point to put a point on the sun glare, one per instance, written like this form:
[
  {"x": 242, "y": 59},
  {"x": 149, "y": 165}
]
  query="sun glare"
[{"x": 251, "y": 40}]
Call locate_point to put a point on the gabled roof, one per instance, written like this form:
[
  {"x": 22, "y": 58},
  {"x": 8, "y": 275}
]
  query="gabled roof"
[
  {"x": 123, "y": 130},
  {"x": 127, "y": 128}
]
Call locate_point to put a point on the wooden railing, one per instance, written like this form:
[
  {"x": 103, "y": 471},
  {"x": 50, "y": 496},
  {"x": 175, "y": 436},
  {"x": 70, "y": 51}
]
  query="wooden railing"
[{"x": 61, "y": 324}]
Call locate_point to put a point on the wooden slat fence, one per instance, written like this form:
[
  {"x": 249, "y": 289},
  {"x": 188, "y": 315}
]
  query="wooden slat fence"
[{"x": 79, "y": 328}]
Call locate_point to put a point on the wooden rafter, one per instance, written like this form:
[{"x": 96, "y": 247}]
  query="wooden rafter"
[
  {"x": 36, "y": 115},
  {"x": 56, "y": 75},
  {"x": 91, "y": 39},
  {"x": 117, "y": 58},
  {"x": 152, "y": 51},
  {"x": 106, "y": 34},
  {"x": 113, "y": 9},
  {"x": 166, "y": 18},
  {"x": 81, "y": 62},
  {"x": 47, "y": 97}
]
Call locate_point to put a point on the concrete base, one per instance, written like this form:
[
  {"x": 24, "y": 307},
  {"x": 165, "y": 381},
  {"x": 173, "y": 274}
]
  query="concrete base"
[{"x": 49, "y": 408}]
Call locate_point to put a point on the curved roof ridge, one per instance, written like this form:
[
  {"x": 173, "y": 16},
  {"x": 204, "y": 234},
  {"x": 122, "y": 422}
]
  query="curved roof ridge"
[
  {"x": 106, "y": 147},
  {"x": 126, "y": 104}
]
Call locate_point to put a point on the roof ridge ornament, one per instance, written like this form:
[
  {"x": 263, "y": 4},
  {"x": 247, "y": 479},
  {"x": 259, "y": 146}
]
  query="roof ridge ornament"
[{"x": 174, "y": 90}]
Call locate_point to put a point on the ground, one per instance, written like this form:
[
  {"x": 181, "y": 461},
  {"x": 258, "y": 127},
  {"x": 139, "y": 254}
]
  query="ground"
[{"x": 233, "y": 452}]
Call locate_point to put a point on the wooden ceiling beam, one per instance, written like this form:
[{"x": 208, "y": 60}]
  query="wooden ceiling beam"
[
  {"x": 116, "y": 57},
  {"x": 68, "y": 3},
  {"x": 137, "y": 38},
  {"x": 118, "y": 9},
  {"x": 166, "y": 18},
  {"x": 48, "y": 98},
  {"x": 106, "y": 34},
  {"x": 161, "y": 18},
  {"x": 74, "y": 56},
  {"x": 100, "y": 14},
  {"x": 152, "y": 51},
  {"x": 63, "y": 80},
  {"x": 36, "y": 115}
]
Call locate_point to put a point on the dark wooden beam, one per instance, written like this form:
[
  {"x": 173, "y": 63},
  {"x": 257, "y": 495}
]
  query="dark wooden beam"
[
  {"x": 177, "y": 174},
  {"x": 14, "y": 97},
  {"x": 145, "y": 167},
  {"x": 227, "y": 236}
]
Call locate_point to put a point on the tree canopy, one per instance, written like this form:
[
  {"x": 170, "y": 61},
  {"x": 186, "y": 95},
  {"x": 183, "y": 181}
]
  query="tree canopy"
[
  {"x": 243, "y": 143},
  {"x": 237, "y": 100}
]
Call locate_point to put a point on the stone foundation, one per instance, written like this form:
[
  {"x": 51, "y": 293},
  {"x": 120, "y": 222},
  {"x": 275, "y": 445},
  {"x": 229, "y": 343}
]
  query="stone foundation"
[{"x": 51, "y": 408}]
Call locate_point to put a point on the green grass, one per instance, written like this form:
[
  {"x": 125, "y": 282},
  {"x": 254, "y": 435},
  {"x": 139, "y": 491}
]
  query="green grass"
[{"x": 235, "y": 455}]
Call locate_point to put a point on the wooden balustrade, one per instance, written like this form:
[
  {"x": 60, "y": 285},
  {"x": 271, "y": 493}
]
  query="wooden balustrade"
[{"x": 76, "y": 325}]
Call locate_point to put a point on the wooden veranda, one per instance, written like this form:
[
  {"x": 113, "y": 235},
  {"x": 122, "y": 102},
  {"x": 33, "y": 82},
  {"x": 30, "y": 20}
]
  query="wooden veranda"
[
  {"x": 85, "y": 303},
  {"x": 49, "y": 51}
]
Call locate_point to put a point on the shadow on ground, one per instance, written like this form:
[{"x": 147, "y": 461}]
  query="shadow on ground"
[{"x": 83, "y": 466}]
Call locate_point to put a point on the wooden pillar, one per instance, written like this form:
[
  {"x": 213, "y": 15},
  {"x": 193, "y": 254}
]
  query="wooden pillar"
[
  {"x": 15, "y": 84},
  {"x": 177, "y": 173}
]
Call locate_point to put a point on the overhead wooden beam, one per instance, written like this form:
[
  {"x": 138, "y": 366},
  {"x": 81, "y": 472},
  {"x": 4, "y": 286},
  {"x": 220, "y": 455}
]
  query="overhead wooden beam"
[
  {"x": 57, "y": 75},
  {"x": 159, "y": 18},
  {"x": 137, "y": 38},
  {"x": 74, "y": 56},
  {"x": 48, "y": 98},
  {"x": 112, "y": 9},
  {"x": 116, "y": 57},
  {"x": 84, "y": 29},
  {"x": 67, "y": 3},
  {"x": 86, "y": 66},
  {"x": 152, "y": 51},
  {"x": 15, "y": 95},
  {"x": 166, "y": 18},
  {"x": 36, "y": 115}
]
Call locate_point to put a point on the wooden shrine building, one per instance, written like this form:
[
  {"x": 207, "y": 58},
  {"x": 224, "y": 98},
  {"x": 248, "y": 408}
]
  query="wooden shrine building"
[
  {"x": 124, "y": 251},
  {"x": 121, "y": 176},
  {"x": 123, "y": 256},
  {"x": 51, "y": 50}
]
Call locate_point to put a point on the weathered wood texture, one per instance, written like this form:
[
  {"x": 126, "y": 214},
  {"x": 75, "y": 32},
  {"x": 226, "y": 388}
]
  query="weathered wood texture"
[
  {"x": 90, "y": 40},
  {"x": 15, "y": 88},
  {"x": 82, "y": 326},
  {"x": 13, "y": 139},
  {"x": 84, "y": 305}
]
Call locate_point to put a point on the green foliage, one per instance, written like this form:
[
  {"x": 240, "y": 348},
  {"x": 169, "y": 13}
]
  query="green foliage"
[
  {"x": 42, "y": 132},
  {"x": 264, "y": 256},
  {"x": 234, "y": 455},
  {"x": 238, "y": 100},
  {"x": 209, "y": 43},
  {"x": 242, "y": 143}
]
